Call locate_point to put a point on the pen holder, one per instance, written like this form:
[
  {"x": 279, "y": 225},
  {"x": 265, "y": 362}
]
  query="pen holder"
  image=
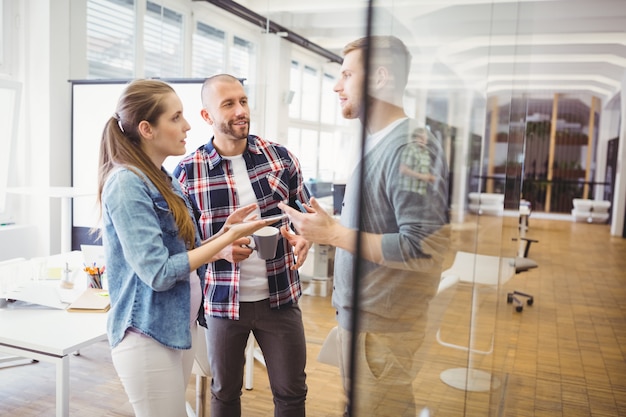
[
  {"x": 94, "y": 280},
  {"x": 94, "y": 276}
]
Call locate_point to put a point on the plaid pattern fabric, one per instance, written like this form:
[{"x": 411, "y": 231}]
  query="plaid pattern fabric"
[
  {"x": 208, "y": 180},
  {"x": 416, "y": 158}
]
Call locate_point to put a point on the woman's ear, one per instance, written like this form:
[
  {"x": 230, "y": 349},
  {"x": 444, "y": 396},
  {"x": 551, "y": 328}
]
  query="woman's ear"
[{"x": 145, "y": 129}]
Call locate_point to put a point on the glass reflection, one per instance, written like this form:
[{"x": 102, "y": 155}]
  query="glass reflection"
[{"x": 397, "y": 198}]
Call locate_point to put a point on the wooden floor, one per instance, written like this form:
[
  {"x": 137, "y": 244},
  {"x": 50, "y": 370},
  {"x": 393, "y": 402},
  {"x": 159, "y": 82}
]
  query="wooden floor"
[{"x": 563, "y": 356}]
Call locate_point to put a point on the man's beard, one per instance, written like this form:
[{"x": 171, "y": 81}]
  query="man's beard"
[
  {"x": 350, "y": 112},
  {"x": 355, "y": 109},
  {"x": 227, "y": 129}
]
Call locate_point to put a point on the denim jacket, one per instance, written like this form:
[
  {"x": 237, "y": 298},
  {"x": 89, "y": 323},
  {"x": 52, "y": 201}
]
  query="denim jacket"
[{"x": 147, "y": 263}]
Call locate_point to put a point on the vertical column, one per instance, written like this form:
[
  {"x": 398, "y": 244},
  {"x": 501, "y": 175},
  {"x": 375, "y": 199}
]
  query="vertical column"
[
  {"x": 590, "y": 135},
  {"x": 555, "y": 114},
  {"x": 462, "y": 108},
  {"x": 274, "y": 76},
  {"x": 493, "y": 138}
]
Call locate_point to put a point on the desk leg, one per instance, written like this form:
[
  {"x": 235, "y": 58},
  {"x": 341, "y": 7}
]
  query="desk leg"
[
  {"x": 63, "y": 386},
  {"x": 470, "y": 379},
  {"x": 249, "y": 367},
  {"x": 201, "y": 387}
]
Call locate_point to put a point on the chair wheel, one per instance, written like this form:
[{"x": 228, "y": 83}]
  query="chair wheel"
[
  {"x": 530, "y": 301},
  {"x": 509, "y": 298},
  {"x": 519, "y": 309}
]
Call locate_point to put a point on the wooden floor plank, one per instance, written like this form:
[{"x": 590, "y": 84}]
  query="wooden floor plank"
[{"x": 563, "y": 356}]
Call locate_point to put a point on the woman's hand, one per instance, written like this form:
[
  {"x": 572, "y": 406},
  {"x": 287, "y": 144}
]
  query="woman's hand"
[
  {"x": 240, "y": 215},
  {"x": 230, "y": 239},
  {"x": 247, "y": 228},
  {"x": 237, "y": 216}
]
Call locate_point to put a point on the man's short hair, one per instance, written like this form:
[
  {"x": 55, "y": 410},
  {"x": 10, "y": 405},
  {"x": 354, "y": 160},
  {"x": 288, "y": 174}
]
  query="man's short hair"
[{"x": 387, "y": 51}]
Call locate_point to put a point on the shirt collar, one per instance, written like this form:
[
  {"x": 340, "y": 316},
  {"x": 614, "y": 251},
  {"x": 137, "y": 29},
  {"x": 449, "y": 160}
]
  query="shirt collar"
[
  {"x": 215, "y": 158},
  {"x": 373, "y": 139}
]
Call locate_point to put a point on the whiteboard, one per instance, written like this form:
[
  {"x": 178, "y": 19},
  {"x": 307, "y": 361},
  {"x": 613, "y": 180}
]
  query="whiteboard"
[{"x": 93, "y": 103}]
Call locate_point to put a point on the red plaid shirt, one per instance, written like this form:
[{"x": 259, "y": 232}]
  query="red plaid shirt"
[{"x": 208, "y": 180}]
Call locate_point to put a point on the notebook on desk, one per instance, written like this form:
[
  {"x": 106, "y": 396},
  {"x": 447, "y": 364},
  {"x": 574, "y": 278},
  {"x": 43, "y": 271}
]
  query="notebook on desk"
[{"x": 93, "y": 300}]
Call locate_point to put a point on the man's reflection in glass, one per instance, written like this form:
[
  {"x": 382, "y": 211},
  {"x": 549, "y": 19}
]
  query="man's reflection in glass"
[{"x": 402, "y": 225}]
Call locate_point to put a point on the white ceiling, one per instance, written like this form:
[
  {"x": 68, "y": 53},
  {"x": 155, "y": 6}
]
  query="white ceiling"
[{"x": 568, "y": 46}]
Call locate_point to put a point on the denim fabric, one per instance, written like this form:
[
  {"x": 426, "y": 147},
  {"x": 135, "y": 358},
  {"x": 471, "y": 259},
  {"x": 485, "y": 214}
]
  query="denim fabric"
[{"x": 146, "y": 261}]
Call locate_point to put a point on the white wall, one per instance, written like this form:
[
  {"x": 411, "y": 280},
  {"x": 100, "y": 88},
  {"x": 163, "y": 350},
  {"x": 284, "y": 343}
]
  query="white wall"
[{"x": 45, "y": 150}]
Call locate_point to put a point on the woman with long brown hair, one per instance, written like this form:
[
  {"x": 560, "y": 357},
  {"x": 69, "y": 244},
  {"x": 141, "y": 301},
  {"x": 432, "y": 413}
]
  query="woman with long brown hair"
[{"x": 155, "y": 259}]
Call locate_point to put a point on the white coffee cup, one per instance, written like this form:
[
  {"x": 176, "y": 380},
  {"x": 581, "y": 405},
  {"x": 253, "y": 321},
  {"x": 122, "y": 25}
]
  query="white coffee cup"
[{"x": 265, "y": 242}]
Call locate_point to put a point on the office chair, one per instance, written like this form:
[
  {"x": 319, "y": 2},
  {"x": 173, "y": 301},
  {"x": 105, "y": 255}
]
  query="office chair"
[{"x": 522, "y": 264}]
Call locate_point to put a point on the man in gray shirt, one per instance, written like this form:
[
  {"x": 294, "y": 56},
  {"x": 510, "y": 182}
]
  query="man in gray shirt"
[{"x": 392, "y": 236}]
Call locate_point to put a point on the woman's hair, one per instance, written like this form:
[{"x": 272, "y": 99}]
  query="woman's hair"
[{"x": 121, "y": 146}]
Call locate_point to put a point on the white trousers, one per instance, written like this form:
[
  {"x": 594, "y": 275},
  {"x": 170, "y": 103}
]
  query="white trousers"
[{"x": 155, "y": 377}]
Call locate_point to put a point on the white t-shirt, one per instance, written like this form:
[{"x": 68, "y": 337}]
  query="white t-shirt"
[
  {"x": 253, "y": 284},
  {"x": 374, "y": 138}
]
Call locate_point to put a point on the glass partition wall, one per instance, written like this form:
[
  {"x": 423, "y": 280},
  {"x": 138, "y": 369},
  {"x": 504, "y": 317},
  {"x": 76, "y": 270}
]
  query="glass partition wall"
[
  {"x": 423, "y": 318},
  {"x": 426, "y": 322},
  {"x": 435, "y": 149}
]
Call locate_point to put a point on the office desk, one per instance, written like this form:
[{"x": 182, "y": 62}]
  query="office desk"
[
  {"x": 478, "y": 271},
  {"x": 49, "y": 335},
  {"x": 65, "y": 194}
]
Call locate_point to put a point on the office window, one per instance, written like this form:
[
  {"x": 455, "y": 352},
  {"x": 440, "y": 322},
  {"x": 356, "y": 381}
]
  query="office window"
[
  {"x": 304, "y": 81},
  {"x": 163, "y": 42},
  {"x": 242, "y": 65},
  {"x": 328, "y": 157},
  {"x": 316, "y": 133},
  {"x": 310, "y": 94},
  {"x": 324, "y": 155},
  {"x": 304, "y": 144},
  {"x": 242, "y": 58},
  {"x": 209, "y": 49},
  {"x": 293, "y": 141},
  {"x": 329, "y": 98},
  {"x": 111, "y": 38},
  {"x": 295, "y": 83}
]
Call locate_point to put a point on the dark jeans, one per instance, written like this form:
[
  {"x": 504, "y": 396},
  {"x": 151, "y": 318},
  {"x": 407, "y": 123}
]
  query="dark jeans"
[{"x": 280, "y": 335}]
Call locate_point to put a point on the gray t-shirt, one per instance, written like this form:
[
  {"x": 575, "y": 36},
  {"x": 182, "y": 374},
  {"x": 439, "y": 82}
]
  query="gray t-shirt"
[{"x": 415, "y": 229}]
